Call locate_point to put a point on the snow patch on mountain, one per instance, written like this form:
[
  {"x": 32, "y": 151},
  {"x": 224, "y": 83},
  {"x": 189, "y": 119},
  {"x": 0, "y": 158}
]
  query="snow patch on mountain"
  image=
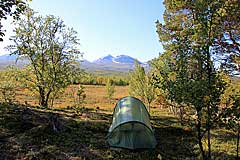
[{"x": 120, "y": 59}]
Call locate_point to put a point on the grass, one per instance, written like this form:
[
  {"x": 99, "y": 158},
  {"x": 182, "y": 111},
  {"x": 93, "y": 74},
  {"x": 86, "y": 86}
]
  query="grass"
[
  {"x": 26, "y": 132},
  {"x": 95, "y": 97}
]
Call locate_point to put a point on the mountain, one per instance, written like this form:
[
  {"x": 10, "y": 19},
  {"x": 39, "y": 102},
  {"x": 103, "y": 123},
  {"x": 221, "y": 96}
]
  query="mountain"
[
  {"x": 120, "y": 59},
  {"x": 110, "y": 64},
  {"x": 125, "y": 59},
  {"x": 107, "y": 64},
  {"x": 8, "y": 57},
  {"x": 107, "y": 59}
]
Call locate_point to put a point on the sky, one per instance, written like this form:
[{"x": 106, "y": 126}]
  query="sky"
[{"x": 105, "y": 26}]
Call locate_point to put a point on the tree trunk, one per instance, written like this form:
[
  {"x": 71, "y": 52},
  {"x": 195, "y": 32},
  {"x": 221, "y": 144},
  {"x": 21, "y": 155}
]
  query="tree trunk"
[
  {"x": 237, "y": 157},
  {"x": 199, "y": 134},
  {"x": 209, "y": 133},
  {"x": 47, "y": 97},
  {"x": 42, "y": 101},
  {"x": 149, "y": 107},
  {"x": 209, "y": 68},
  {"x": 181, "y": 112}
]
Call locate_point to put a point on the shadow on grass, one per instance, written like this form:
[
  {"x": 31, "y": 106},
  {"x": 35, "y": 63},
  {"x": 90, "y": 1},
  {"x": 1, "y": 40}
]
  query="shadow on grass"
[
  {"x": 26, "y": 133},
  {"x": 226, "y": 140},
  {"x": 224, "y": 135},
  {"x": 174, "y": 142}
]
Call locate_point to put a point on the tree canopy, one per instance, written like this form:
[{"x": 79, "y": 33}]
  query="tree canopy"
[
  {"x": 12, "y": 8},
  {"x": 51, "y": 49},
  {"x": 194, "y": 34}
]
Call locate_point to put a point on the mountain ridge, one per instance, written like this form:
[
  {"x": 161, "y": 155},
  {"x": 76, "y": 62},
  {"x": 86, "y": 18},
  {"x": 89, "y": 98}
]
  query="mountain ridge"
[
  {"x": 119, "y": 63},
  {"x": 125, "y": 59}
]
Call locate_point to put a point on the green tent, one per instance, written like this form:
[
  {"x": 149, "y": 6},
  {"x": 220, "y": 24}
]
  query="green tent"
[{"x": 131, "y": 126}]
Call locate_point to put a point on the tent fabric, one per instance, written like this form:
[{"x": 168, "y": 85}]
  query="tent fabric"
[{"x": 131, "y": 126}]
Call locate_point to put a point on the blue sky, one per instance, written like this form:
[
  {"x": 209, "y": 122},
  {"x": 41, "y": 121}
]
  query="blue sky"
[{"x": 106, "y": 26}]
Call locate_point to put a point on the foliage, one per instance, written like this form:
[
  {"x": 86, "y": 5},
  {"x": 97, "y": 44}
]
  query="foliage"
[
  {"x": 191, "y": 35},
  {"x": 231, "y": 116},
  {"x": 149, "y": 90},
  {"x": 80, "y": 95},
  {"x": 141, "y": 85},
  {"x": 13, "y": 8},
  {"x": 110, "y": 89},
  {"x": 137, "y": 81},
  {"x": 8, "y": 84},
  {"x": 227, "y": 42},
  {"x": 82, "y": 77},
  {"x": 8, "y": 92},
  {"x": 51, "y": 49}
]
